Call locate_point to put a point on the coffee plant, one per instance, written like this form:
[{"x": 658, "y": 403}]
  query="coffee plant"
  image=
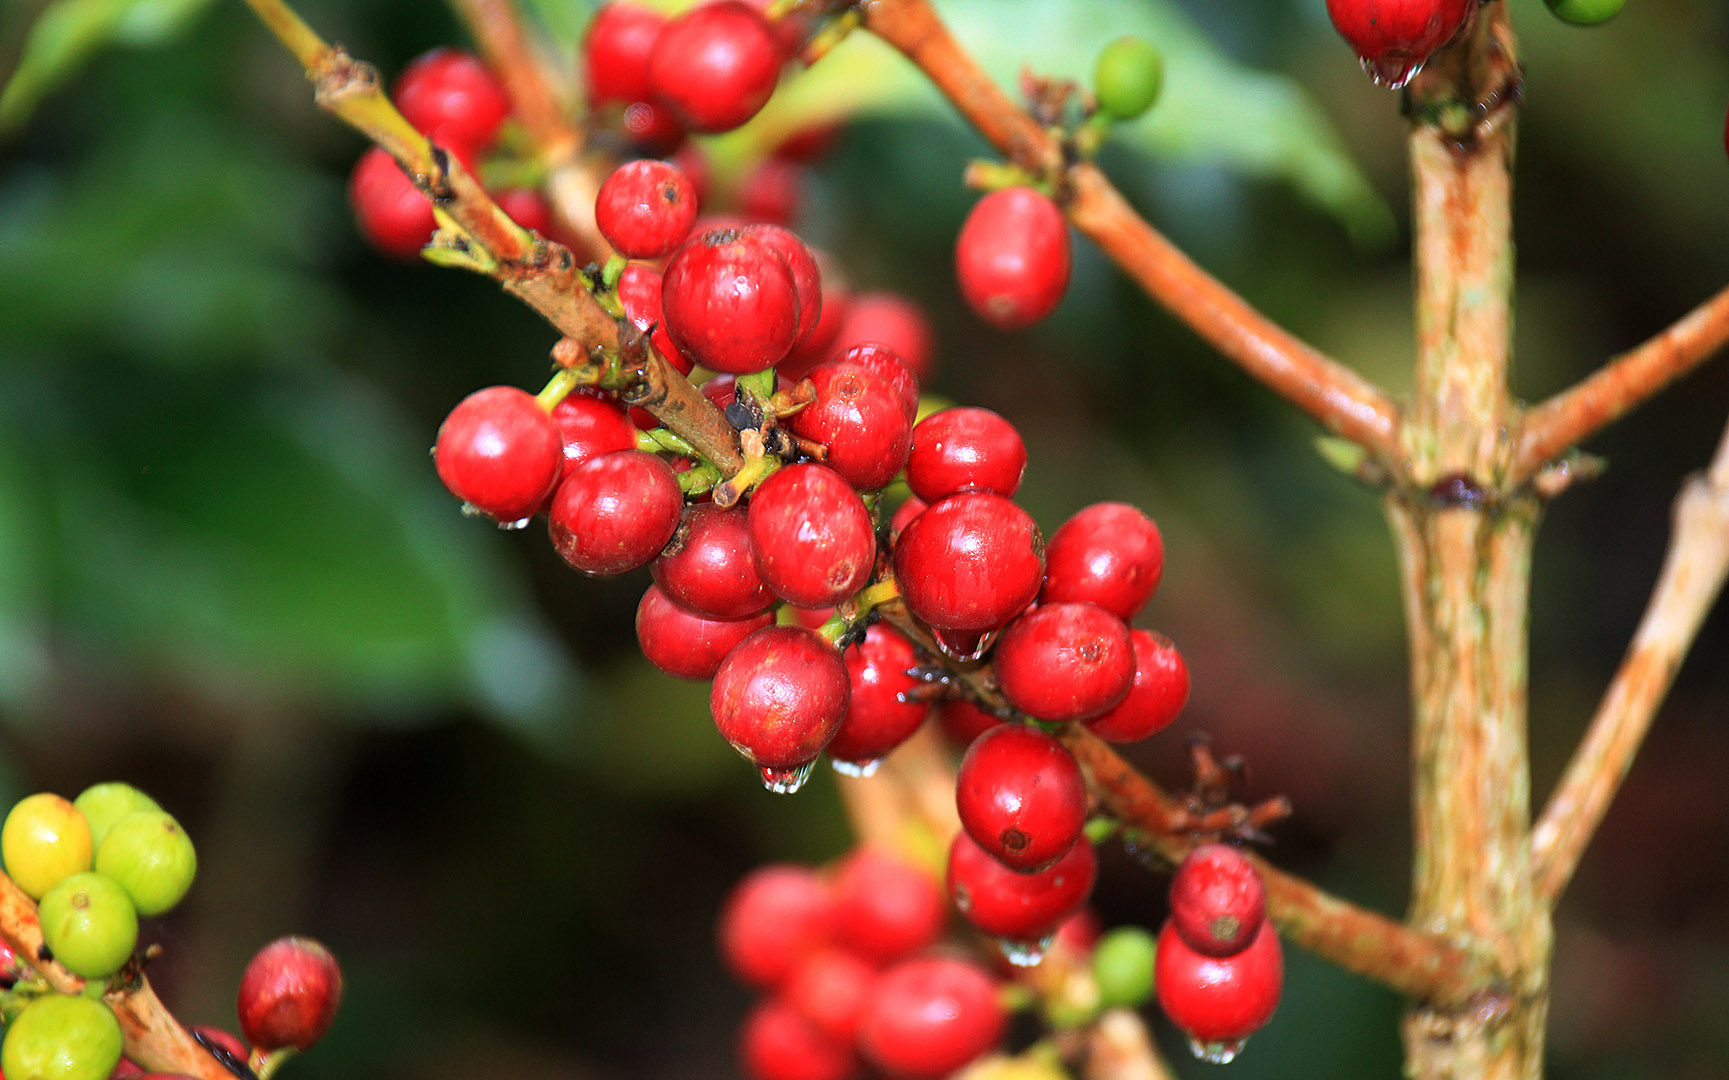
[{"x": 847, "y": 566}]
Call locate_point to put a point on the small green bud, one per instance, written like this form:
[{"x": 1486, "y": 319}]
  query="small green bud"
[{"x": 1128, "y": 77}]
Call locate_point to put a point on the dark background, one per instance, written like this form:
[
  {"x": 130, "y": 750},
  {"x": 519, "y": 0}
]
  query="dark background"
[{"x": 229, "y": 575}]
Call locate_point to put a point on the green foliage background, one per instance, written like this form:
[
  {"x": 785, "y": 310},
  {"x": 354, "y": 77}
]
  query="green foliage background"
[{"x": 228, "y": 573}]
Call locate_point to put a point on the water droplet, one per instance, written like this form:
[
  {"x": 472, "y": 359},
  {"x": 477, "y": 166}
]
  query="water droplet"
[
  {"x": 964, "y": 645},
  {"x": 1216, "y": 1053},
  {"x": 1025, "y": 953},
  {"x": 786, "y": 781},
  {"x": 512, "y": 526},
  {"x": 856, "y": 768},
  {"x": 1392, "y": 70}
]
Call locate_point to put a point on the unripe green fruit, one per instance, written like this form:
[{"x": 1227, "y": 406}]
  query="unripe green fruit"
[
  {"x": 90, "y": 925},
  {"x": 149, "y": 854},
  {"x": 104, "y": 804},
  {"x": 45, "y": 838},
  {"x": 1586, "y": 12},
  {"x": 62, "y": 1037},
  {"x": 1123, "y": 966},
  {"x": 1127, "y": 78}
]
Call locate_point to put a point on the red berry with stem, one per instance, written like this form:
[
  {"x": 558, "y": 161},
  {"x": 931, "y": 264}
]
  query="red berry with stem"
[
  {"x": 812, "y": 535},
  {"x": 1160, "y": 691},
  {"x": 965, "y": 448},
  {"x": 499, "y": 452},
  {"x": 639, "y": 291},
  {"x": 1021, "y": 796},
  {"x": 716, "y": 64},
  {"x": 887, "y": 365},
  {"x": 709, "y": 568},
  {"x": 451, "y": 92},
  {"x": 774, "y": 917},
  {"x": 931, "y": 1015},
  {"x": 392, "y": 214},
  {"x": 1219, "y": 1001},
  {"x": 1393, "y": 38},
  {"x": 860, "y": 418},
  {"x": 289, "y": 994},
  {"x": 1065, "y": 661},
  {"x": 806, "y": 274},
  {"x": 829, "y": 988},
  {"x": 779, "y": 696},
  {"x": 1012, "y": 257},
  {"x": 645, "y": 208},
  {"x": 877, "y": 718},
  {"x": 1018, "y": 907},
  {"x": 684, "y": 644},
  {"x": 615, "y": 512},
  {"x": 778, "y": 1042},
  {"x": 730, "y": 302},
  {"x": 591, "y": 424},
  {"x": 969, "y": 562},
  {"x": 616, "y": 49},
  {"x": 1217, "y": 900},
  {"x": 1109, "y": 554},
  {"x": 886, "y": 907}
]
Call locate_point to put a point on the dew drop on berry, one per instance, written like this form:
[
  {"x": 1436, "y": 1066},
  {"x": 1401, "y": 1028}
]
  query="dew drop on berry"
[
  {"x": 1216, "y": 1053},
  {"x": 859, "y": 769},
  {"x": 1023, "y": 953},
  {"x": 786, "y": 781},
  {"x": 1391, "y": 72}
]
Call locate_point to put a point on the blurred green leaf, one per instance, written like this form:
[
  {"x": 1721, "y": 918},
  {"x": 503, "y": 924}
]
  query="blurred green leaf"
[
  {"x": 23, "y": 575},
  {"x": 563, "y": 21}
]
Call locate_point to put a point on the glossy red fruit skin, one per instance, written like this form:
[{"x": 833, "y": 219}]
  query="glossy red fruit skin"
[
  {"x": 1005, "y": 903},
  {"x": 450, "y": 91},
  {"x": 1217, "y": 900},
  {"x": 591, "y": 424},
  {"x": 774, "y": 917},
  {"x": 645, "y": 208},
  {"x": 895, "y": 321},
  {"x": 289, "y": 993},
  {"x": 615, "y": 512},
  {"x": 391, "y": 213},
  {"x": 1219, "y": 999},
  {"x": 639, "y": 290},
  {"x": 929, "y": 1016},
  {"x": 818, "y": 344},
  {"x": 1021, "y": 796},
  {"x": 1012, "y": 257},
  {"x": 965, "y": 448},
  {"x": 806, "y": 274},
  {"x": 1161, "y": 690},
  {"x": 708, "y": 566},
  {"x": 684, "y": 644},
  {"x": 616, "y": 49},
  {"x": 779, "y": 696},
  {"x": 499, "y": 452},
  {"x": 877, "y": 720},
  {"x": 969, "y": 562},
  {"x": 716, "y": 65},
  {"x": 886, "y": 908},
  {"x": 1065, "y": 661},
  {"x": 777, "y": 1042},
  {"x": 1394, "y": 35},
  {"x": 812, "y": 535},
  {"x": 860, "y": 418},
  {"x": 730, "y": 302},
  {"x": 1109, "y": 554},
  {"x": 963, "y": 721},
  {"x": 888, "y": 366},
  {"x": 829, "y": 988}
]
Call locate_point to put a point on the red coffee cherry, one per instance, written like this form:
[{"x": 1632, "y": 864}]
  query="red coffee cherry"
[
  {"x": 645, "y": 208},
  {"x": 684, "y": 644},
  {"x": 527, "y": 208},
  {"x": 499, "y": 452},
  {"x": 778, "y": 1042},
  {"x": 877, "y": 719},
  {"x": 818, "y": 344},
  {"x": 860, "y": 418},
  {"x": 716, "y": 65},
  {"x": 591, "y": 424},
  {"x": 812, "y": 536},
  {"x": 615, "y": 512},
  {"x": 772, "y": 192},
  {"x": 1109, "y": 554},
  {"x": 806, "y": 274},
  {"x": 730, "y": 302},
  {"x": 888, "y": 366},
  {"x": 779, "y": 696},
  {"x": 1012, "y": 257},
  {"x": 289, "y": 993},
  {"x": 1160, "y": 691},
  {"x": 1217, "y": 900},
  {"x": 969, "y": 562},
  {"x": 963, "y": 721},
  {"x": 1219, "y": 1001},
  {"x": 615, "y": 51},
  {"x": 895, "y": 321},
  {"x": 390, "y": 211},
  {"x": 652, "y": 128},
  {"x": 639, "y": 290},
  {"x": 829, "y": 988},
  {"x": 929, "y": 1016},
  {"x": 964, "y": 448},
  {"x": 903, "y": 516},
  {"x": 774, "y": 917},
  {"x": 886, "y": 909},
  {"x": 708, "y": 566},
  {"x": 1394, "y": 37},
  {"x": 449, "y": 91},
  {"x": 1021, "y": 908},
  {"x": 1065, "y": 661},
  {"x": 1021, "y": 796}
]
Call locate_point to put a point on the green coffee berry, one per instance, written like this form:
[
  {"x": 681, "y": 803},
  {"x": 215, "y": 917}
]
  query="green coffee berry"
[
  {"x": 1123, "y": 966},
  {"x": 1128, "y": 77},
  {"x": 62, "y": 1037},
  {"x": 1586, "y": 12},
  {"x": 104, "y": 804},
  {"x": 89, "y": 923},
  {"x": 149, "y": 854}
]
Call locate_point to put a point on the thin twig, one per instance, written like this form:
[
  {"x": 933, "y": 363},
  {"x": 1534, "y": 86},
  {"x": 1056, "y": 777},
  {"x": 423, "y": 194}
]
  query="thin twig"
[
  {"x": 1121, "y": 1048},
  {"x": 1692, "y": 576}
]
